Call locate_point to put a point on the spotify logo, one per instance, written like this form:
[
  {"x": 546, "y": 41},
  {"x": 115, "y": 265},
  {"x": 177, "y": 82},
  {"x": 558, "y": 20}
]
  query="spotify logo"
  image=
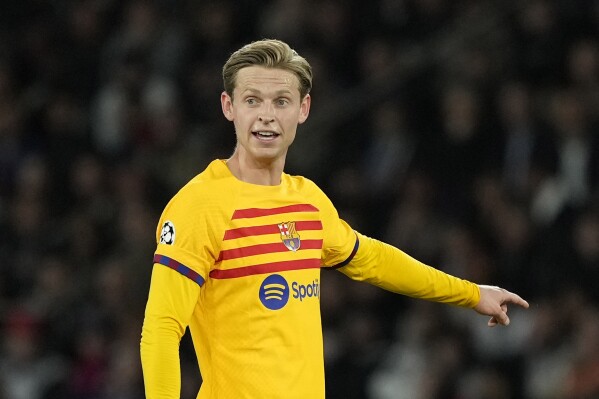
[{"x": 274, "y": 292}]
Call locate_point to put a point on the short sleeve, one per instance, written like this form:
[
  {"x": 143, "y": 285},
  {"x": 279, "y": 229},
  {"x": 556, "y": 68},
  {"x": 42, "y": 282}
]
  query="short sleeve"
[
  {"x": 340, "y": 241},
  {"x": 186, "y": 235}
]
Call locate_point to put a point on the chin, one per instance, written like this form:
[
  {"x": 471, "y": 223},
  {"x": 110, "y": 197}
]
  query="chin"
[{"x": 267, "y": 156}]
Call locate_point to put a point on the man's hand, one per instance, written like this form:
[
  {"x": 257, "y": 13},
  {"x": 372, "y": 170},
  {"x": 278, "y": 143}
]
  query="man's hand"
[{"x": 493, "y": 302}]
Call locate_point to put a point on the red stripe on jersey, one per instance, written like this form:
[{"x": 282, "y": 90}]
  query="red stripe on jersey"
[
  {"x": 263, "y": 268},
  {"x": 265, "y": 248},
  {"x": 257, "y": 212},
  {"x": 250, "y": 231},
  {"x": 270, "y": 229}
]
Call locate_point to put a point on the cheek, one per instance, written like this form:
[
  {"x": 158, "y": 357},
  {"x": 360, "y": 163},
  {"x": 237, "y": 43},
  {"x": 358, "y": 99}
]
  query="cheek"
[
  {"x": 290, "y": 121},
  {"x": 241, "y": 119},
  {"x": 291, "y": 132}
]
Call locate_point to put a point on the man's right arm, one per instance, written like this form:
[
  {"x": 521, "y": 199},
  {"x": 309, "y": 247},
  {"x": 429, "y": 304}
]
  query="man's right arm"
[{"x": 171, "y": 301}]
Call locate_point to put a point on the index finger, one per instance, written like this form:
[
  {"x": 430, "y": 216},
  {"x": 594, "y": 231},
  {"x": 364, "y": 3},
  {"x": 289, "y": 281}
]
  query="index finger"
[{"x": 517, "y": 300}]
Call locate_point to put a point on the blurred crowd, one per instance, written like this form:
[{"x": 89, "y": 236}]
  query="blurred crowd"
[{"x": 461, "y": 131}]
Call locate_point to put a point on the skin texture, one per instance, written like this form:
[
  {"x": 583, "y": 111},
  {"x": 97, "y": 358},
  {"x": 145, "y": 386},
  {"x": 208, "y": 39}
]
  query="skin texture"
[{"x": 264, "y": 100}]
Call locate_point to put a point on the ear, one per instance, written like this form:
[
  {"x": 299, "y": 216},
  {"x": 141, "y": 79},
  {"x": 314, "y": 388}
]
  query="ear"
[
  {"x": 305, "y": 108},
  {"x": 226, "y": 103}
]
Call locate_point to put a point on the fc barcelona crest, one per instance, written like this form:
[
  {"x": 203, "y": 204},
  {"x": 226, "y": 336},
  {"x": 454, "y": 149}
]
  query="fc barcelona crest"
[{"x": 289, "y": 235}]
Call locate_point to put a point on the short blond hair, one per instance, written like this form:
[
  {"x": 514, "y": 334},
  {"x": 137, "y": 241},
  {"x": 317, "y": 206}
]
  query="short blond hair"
[{"x": 269, "y": 53}]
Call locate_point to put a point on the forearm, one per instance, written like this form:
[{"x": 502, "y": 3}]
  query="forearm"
[
  {"x": 171, "y": 300},
  {"x": 387, "y": 267},
  {"x": 159, "y": 350}
]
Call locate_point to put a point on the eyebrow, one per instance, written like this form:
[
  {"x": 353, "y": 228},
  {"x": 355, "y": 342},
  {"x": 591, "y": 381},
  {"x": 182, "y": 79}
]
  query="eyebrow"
[{"x": 256, "y": 91}]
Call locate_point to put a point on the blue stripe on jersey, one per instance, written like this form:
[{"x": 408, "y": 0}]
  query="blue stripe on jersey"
[{"x": 181, "y": 268}]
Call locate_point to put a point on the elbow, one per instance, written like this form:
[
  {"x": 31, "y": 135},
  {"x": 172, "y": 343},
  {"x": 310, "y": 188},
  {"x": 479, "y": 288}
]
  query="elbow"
[{"x": 157, "y": 329}]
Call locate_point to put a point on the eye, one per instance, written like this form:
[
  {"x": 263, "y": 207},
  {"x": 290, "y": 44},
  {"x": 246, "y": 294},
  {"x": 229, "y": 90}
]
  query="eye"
[
  {"x": 251, "y": 101},
  {"x": 282, "y": 102}
]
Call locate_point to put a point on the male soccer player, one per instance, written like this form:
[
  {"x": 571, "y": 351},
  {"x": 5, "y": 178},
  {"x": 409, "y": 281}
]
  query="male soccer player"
[{"x": 240, "y": 248}]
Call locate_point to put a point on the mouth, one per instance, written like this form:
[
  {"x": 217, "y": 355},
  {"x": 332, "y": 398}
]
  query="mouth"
[{"x": 264, "y": 135}]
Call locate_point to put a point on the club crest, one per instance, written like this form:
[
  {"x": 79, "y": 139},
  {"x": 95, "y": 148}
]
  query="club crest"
[{"x": 289, "y": 235}]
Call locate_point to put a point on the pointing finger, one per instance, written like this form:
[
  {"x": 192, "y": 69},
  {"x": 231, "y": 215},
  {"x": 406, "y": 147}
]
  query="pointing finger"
[{"x": 517, "y": 300}]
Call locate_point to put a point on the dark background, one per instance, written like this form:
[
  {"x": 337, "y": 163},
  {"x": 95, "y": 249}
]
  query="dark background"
[{"x": 463, "y": 132}]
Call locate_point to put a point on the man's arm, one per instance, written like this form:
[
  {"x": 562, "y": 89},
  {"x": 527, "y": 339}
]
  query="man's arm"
[
  {"x": 171, "y": 301},
  {"x": 387, "y": 267}
]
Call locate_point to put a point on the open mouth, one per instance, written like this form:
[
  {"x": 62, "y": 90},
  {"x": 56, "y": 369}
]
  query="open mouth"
[{"x": 265, "y": 135}]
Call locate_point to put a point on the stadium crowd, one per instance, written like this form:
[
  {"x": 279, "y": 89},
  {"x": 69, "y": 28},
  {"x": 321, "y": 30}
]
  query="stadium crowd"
[{"x": 463, "y": 132}]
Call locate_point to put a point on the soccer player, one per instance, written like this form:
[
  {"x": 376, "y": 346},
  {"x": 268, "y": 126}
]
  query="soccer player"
[{"x": 240, "y": 248}]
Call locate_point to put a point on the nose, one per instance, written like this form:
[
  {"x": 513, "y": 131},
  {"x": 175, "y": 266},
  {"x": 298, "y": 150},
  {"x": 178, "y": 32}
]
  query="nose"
[
  {"x": 266, "y": 119},
  {"x": 267, "y": 114}
]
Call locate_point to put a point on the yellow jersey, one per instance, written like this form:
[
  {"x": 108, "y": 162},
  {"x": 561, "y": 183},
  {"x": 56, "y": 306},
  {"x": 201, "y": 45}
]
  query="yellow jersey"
[{"x": 251, "y": 256}]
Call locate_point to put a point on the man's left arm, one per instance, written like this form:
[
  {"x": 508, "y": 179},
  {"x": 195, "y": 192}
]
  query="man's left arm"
[{"x": 387, "y": 267}]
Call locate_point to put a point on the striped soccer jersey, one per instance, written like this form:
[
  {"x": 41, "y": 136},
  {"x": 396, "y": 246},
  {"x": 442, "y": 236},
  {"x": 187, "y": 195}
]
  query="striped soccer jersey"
[{"x": 256, "y": 251}]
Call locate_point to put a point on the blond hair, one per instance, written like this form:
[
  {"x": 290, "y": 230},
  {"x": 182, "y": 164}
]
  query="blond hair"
[{"x": 269, "y": 53}]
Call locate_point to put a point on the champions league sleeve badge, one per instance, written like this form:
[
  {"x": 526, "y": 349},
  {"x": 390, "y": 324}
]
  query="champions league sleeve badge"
[{"x": 167, "y": 236}]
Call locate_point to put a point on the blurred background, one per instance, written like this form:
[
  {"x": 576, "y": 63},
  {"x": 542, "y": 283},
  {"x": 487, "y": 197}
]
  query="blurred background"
[{"x": 462, "y": 131}]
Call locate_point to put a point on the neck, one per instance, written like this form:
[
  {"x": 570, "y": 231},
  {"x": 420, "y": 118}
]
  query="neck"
[{"x": 264, "y": 173}]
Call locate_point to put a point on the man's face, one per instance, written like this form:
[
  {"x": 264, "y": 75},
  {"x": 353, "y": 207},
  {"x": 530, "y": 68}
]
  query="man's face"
[{"x": 266, "y": 109}]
